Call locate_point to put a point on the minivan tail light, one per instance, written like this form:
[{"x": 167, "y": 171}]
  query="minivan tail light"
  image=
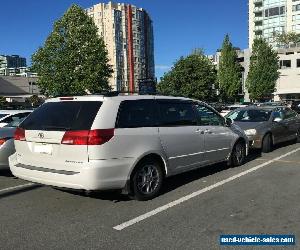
[
  {"x": 100, "y": 136},
  {"x": 19, "y": 135},
  {"x": 87, "y": 137}
]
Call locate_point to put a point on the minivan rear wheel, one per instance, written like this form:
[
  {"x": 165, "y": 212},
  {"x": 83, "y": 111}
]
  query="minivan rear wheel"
[{"x": 147, "y": 180}]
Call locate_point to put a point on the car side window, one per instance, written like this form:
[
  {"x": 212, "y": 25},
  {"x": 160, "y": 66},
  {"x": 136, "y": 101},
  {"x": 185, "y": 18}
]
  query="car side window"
[
  {"x": 288, "y": 114},
  {"x": 137, "y": 113},
  {"x": 207, "y": 116},
  {"x": 177, "y": 113},
  {"x": 15, "y": 117}
]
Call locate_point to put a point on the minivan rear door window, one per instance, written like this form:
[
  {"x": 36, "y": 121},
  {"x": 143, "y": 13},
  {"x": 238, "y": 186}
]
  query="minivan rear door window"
[{"x": 63, "y": 116}]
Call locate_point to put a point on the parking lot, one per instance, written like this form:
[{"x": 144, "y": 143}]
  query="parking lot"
[{"x": 195, "y": 208}]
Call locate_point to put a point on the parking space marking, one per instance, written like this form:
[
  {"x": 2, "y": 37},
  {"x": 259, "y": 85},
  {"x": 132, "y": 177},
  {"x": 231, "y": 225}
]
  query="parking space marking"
[
  {"x": 283, "y": 161},
  {"x": 197, "y": 193},
  {"x": 17, "y": 187}
]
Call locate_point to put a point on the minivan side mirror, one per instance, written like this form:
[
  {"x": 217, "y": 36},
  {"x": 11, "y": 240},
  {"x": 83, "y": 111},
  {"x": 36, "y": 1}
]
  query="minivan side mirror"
[{"x": 228, "y": 122}]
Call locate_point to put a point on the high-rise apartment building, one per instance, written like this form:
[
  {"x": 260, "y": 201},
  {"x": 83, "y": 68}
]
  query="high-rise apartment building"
[
  {"x": 268, "y": 17},
  {"x": 13, "y": 61},
  {"x": 128, "y": 34}
]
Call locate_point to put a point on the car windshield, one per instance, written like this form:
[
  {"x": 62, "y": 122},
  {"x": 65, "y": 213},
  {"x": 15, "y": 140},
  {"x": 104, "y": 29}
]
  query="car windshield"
[{"x": 250, "y": 115}]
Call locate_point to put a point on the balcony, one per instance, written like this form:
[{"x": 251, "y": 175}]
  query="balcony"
[
  {"x": 258, "y": 19},
  {"x": 258, "y": 9},
  {"x": 258, "y": 32},
  {"x": 257, "y": 28}
]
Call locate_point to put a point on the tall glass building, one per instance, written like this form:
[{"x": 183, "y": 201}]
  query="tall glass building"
[
  {"x": 270, "y": 17},
  {"x": 128, "y": 34}
]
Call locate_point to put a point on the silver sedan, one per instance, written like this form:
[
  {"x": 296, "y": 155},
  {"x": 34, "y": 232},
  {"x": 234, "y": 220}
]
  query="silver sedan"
[
  {"x": 267, "y": 126},
  {"x": 7, "y": 147}
]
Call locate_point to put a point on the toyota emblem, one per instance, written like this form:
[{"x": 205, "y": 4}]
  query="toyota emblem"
[{"x": 41, "y": 135}]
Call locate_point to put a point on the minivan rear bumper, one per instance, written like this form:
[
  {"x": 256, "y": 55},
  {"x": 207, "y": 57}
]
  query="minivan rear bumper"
[{"x": 95, "y": 175}]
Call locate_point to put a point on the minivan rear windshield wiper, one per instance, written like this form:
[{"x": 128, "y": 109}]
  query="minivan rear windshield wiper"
[{"x": 55, "y": 128}]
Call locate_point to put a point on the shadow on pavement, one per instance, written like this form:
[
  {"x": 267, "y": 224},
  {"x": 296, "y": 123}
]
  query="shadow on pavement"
[
  {"x": 18, "y": 191},
  {"x": 170, "y": 183},
  {"x": 6, "y": 173},
  {"x": 173, "y": 182}
]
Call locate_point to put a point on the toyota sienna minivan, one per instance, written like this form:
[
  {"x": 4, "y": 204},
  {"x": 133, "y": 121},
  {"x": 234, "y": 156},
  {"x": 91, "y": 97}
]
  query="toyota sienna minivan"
[{"x": 128, "y": 142}]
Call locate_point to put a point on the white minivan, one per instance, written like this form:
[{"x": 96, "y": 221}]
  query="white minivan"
[{"x": 129, "y": 142}]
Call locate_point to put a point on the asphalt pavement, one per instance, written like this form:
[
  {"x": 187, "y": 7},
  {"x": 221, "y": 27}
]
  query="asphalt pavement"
[{"x": 194, "y": 209}]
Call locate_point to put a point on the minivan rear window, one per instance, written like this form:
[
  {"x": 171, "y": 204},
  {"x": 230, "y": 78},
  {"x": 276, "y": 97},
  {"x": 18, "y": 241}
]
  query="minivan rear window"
[{"x": 63, "y": 116}]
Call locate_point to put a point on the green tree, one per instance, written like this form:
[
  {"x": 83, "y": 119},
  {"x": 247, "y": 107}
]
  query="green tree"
[
  {"x": 229, "y": 73},
  {"x": 34, "y": 100},
  {"x": 2, "y": 101},
  {"x": 193, "y": 76},
  {"x": 263, "y": 71},
  {"x": 288, "y": 38},
  {"x": 74, "y": 59}
]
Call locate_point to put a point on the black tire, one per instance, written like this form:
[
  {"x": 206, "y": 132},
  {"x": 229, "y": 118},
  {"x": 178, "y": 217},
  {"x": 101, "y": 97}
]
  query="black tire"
[
  {"x": 298, "y": 136},
  {"x": 238, "y": 154},
  {"x": 267, "y": 144},
  {"x": 147, "y": 180}
]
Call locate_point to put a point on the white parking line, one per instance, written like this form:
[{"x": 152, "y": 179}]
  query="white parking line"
[
  {"x": 197, "y": 193},
  {"x": 17, "y": 187}
]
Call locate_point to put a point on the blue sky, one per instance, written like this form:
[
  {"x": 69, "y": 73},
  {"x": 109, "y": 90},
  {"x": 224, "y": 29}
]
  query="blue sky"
[{"x": 179, "y": 26}]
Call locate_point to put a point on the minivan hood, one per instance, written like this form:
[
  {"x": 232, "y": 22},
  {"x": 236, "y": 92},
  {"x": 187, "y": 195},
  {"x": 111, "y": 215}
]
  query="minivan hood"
[{"x": 250, "y": 125}]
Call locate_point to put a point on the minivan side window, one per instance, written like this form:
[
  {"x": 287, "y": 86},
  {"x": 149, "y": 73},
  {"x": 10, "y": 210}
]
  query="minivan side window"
[
  {"x": 177, "y": 114},
  {"x": 207, "y": 116},
  {"x": 137, "y": 113}
]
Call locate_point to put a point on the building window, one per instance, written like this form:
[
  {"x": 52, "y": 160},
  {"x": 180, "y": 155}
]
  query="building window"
[
  {"x": 298, "y": 63},
  {"x": 275, "y": 11},
  {"x": 296, "y": 7},
  {"x": 285, "y": 64}
]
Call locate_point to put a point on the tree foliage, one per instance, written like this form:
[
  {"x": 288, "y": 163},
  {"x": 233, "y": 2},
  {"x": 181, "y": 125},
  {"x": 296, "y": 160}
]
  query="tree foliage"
[
  {"x": 229, "y": 73},
  {"x": 2, "y": 101},
  {"x": 263, "y": 71},
  {"x": 74, "y": 59},
  {"x": 34, "y": 100},
  {"x": 287, "y": 38},
  {"x": 193, "y": 76}
]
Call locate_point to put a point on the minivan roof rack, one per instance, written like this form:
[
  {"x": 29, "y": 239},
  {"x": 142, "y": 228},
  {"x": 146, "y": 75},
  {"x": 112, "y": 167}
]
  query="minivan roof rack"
[
  {"x": 117, "y": 93},
  {"x": 108, "y": 94}
]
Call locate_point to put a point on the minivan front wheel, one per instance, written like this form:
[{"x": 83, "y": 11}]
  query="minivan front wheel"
[
  {"x": 238, "y": 155},
  {"x": 147, "y": 180}
]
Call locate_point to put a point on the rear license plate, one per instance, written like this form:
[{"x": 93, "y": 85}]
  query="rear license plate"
[{"x": 43, "y": 149}]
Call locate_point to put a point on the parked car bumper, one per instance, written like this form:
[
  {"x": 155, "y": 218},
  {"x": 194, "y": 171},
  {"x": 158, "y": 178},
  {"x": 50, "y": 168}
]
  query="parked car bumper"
[
  {"x": 255, "y": 142},
  {"x": 6, "y": 150},
  {"x": 96, "y": 175}
]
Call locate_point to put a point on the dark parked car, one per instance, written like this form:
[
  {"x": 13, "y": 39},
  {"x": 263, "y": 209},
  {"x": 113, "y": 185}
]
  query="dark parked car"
[
  {"x": 296, "y": 106},
  {"x": 267, "y": 126}
]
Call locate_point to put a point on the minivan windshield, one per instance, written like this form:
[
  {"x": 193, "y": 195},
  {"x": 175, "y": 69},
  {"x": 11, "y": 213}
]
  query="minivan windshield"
[
  {"x": 250, "y": 115},
  {"x": 63, "y": 116}
]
